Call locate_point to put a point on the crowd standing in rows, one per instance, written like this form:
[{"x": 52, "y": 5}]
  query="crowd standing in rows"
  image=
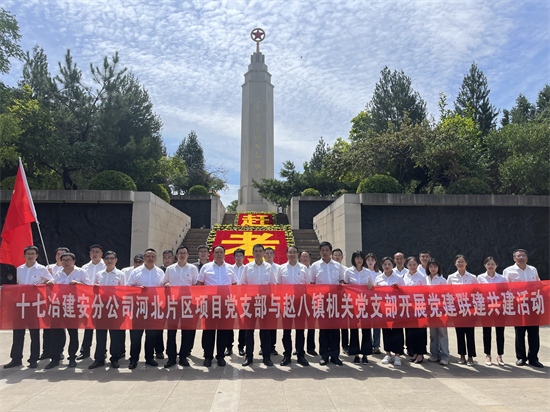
[{"x": 365, "y": 270}]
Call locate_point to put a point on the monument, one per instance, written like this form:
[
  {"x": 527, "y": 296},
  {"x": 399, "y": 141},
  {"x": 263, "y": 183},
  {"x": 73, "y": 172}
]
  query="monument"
[{"x": 257, "y": 147}]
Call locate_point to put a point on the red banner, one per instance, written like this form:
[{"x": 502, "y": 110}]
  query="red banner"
[
  {"x": 273, "y": 307},
  {"x": 244, "y": 239},
  {"x": 255, "y": 219}
]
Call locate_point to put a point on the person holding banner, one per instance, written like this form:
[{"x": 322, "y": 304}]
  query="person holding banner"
[
  {"x": 357, "y": 274},
  {"x": 293, "y": 273},
  {"x": 110, "y": 276},
  {"x": 181, "y": 273},
  {"x": 439, "y": 338},
  {"x": 328, "y": 272},
  {"x": 393, "y": 338},
  {"x": 491, "y": 276},
  {"x": 204, "y": 255},
  {"x": 372, "y": 265},
  {"x": 238, "y": 268},
  {"x": 417, "y": 338},
  {"x": 464, "y": 336},
  {"x": 305, "y": 259},
  {"x": 70, "y": 275},
  {"x": 338, "y": 256},
  {"x": 216, "y": 273},
  {"x": 127, "y": 271},
  {"x": 147, "y": 275},
  {"x": 269, "y": 258},
  {"x": 30, "y": 273},
  {"x": 522, "y": 272},
  {"x": 258, "y": 272}
]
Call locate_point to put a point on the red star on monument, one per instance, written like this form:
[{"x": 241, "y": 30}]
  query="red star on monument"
[{"x": 258, "y": 34}]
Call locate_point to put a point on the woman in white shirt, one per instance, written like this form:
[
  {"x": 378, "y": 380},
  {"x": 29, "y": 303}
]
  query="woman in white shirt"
[
  {"x": 417, "y": 338},
  {"x": 464, "y": 336},
  {"x": 371, "y": 262},
  {"x": 491, "y": 276},
  {"x": 439, "y": 338},
  {"x": 394, "y": 340},
  {"x": 357, "y": 274}
]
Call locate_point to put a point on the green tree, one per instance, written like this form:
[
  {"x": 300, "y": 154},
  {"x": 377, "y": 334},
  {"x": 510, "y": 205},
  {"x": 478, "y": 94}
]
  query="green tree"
[
  {"x": 9, "y": 41},
  {"x": 523, "y": 111},
  {"x": 190, "y": 151},
  {"x": 543, "y": 99},
  {"x": 232, "y": 207},
  {"x": 474, "y": 93},
  {"x": 280, "y": 192}
]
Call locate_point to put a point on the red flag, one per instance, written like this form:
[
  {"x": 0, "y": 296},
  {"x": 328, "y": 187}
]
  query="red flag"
[{"x": 16, "y": 233}]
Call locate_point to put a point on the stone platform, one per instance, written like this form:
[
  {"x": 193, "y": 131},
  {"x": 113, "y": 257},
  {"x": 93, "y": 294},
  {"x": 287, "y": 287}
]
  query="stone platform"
[{"x": 375, "y": 387}]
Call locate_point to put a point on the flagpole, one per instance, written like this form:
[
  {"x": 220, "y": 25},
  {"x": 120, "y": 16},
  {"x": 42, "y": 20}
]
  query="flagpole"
[{"x": 43, "y": 245}]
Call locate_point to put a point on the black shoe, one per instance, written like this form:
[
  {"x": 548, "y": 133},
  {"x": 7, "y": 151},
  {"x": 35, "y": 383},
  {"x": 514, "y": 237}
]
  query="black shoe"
[
  {"x": 183, "y": 362},
  {"x": 151, "y": 362},
  {"x": 96, "y": 365},
  {"x": 286, "y": 360},
  {"x": 115, "y": 364},
  {"x": 13, "y": 364},
  {"x": 336, "y": 361},
  {"x": 520, "y": 362},
  {"x": 247, "y": 361},
  {"x": 357, "y": 360},
  {"x": 170, "y": 363},
  {"x": 228, "y": 352},
  {"x": 302, "y": 361},
  {"x": 44, "y": 356},
  {"x": 274, "y": 352},
  {"x": 312, "y": 353},
  {"x": 268, "y": 362},
  {"x": 132, "y": 365},
  {"x": 207, "y": 362},
  {"x": 72, "y": 363},
  {"x": 159, "y": 355},
  {"x": 52, "y": 364},
  {"x": 33, "y": 364},
  {"x": 83, "y": 356},
  {"x": 261, "y": 353},
  {"x": 364, "y": 361},
  {"x": 241, "y": 352},
  {"x": 222, "y": 362},
  {"x": 536, "y": 364},
  {"x": 323, "y": 362}
]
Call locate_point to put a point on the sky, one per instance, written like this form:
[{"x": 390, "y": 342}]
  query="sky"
[{"x": 324, "y": 57}]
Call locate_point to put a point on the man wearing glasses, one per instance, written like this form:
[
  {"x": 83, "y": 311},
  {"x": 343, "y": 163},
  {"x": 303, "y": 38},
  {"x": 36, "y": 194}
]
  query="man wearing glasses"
[{"x": 522, "y": 272}]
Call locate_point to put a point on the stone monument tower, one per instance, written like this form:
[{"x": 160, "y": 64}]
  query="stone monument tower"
[{"x": 257, "y": 157}]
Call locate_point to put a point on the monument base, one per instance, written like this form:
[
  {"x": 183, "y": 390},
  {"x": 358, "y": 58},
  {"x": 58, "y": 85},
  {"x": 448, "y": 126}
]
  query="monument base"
[{"x": 251, "y": 201}]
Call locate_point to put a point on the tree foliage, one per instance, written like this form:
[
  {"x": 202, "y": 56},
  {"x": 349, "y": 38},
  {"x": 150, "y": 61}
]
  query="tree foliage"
[
  {"x": 232, "y": 207},
  {"x": 9, "y": 41}
]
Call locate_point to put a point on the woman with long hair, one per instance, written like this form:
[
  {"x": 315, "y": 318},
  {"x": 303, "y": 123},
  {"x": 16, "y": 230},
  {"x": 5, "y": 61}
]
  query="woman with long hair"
[{"x": 417, "y": 338}]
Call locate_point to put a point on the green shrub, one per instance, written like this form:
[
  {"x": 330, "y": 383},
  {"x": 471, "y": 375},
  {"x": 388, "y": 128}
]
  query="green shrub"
[
  {"x": 157, "y": 190},
  {"x": 379, "y": 184},
  {"x": 9, "y": 183},
  {"x": 112, "y": 180},
  {"x": 198, "y": 190},
  {"x": 311, "y": 192},
  {"x": 341, "y": 192},
  {"x": 469, "y": 186}
]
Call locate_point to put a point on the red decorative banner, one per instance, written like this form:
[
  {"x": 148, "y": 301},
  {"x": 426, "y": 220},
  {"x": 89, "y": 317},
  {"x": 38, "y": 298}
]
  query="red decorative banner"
[
  {"x": 255, "y": 219},
  {"x": 243, "y": 239},
  {"x": 274, "y": 307}
]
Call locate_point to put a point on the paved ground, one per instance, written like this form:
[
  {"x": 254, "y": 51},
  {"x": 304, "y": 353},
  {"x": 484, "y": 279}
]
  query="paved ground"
[{"x": 376, "y": 387}]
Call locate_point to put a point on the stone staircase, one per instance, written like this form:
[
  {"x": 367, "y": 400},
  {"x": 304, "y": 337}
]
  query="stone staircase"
[
  {"x": 193, "y": 239},
  {"x": 306, "y": 239}
]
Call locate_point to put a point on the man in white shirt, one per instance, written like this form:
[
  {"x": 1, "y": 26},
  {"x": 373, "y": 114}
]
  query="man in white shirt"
[
  {"x": 70, "y": 275},
  {"x": 147, "y": 275},
  {"x": 424, "y": 257},
  {"x": 110, "y": 276},
  {"x": 258, "y": 272},
  {"x": 238, "y": 268},
  {"x": 92, "y": 268},
  {"x": 30, "y": 273},
  {"x": 328, "y": 272},
  {"x": 293, "y": 273},
  {"x": 522, "y": 272},
  {"x": 269, "y": 258},
  {"x": 216, "y": 273},
  {"x": 400, "y": 269},
  {"x": 127, "y": 271},
  {"x": 338, "y": 256},
  {"x": 181, "y": 273},
  {"x": 204, "y": 256},
  {"x": 305, "y": 259}
]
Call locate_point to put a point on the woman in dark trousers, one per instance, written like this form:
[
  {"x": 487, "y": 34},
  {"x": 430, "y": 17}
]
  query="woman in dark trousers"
[{"x": 417, "y": 338}]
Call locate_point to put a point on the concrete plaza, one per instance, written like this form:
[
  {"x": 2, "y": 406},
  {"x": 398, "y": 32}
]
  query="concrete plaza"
[{"x": 374, "y": 387}]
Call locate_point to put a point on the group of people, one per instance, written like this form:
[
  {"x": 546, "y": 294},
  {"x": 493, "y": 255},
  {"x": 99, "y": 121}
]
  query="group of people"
[{"x": 365, "y": 270}]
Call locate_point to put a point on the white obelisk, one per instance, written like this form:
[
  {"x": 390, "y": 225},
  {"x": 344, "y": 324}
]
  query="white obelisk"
[{"x": 257, "y": 157}]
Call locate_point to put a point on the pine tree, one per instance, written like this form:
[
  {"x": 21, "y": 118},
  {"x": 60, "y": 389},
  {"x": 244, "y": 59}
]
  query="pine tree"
[
  {"x": 190, "y": 150},
  {"x": 523, "y": 111},
  {"x": 321, "y": 150},
  {"x": 543, "y": 100},
  {"x": 475, "y": 93}
]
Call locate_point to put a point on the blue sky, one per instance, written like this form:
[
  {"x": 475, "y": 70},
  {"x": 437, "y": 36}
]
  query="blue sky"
[{"x": 325, "y": 58}]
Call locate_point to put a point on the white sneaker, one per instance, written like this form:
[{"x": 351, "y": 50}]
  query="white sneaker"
[
  {"x": 444, "y": 362},
  {"x": 386, "y": 360},
  {"x": 397, "y": 361}
]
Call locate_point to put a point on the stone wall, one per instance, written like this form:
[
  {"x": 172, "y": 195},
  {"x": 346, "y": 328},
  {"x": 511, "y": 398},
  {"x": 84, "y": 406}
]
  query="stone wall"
[
  {"x": 204, "y": 210},
  {"x": 303, "y": 209}
]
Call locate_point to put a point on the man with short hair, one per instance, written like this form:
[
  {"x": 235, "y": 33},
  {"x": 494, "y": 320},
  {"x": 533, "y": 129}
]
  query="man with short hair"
[
  {"x": 29, "y": 273},
  {"x": 328, "y": 272},
  {"x": 92, "y": 268},
  {"x": 258, "y": 272},
  {"x": 110, "y": 276},
  {"x": 147, "y": 275},
  {"x": 305, "y": 259},
  {"x": 338, "y": 256},
  {"x": 204, "y": 255},
  {"x": 522, "y": 272},
  {"x": 70, "y": 275},
  {"x": 424, "y": 257},
  {"x": 400, "y": 269},
  {"x": 216, "y": 273},
  {"x": 167, "y": 259},
  {"x": 269, "y": 258},
  {"x": 181, "y": 273},
  {"x": 293, "y": 273},
  {"x": 127, "y": 271},
  {"x": 238, "y": 267}
]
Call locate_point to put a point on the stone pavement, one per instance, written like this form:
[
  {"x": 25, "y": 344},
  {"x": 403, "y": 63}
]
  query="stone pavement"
[{"x": 375, "y": 387}]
